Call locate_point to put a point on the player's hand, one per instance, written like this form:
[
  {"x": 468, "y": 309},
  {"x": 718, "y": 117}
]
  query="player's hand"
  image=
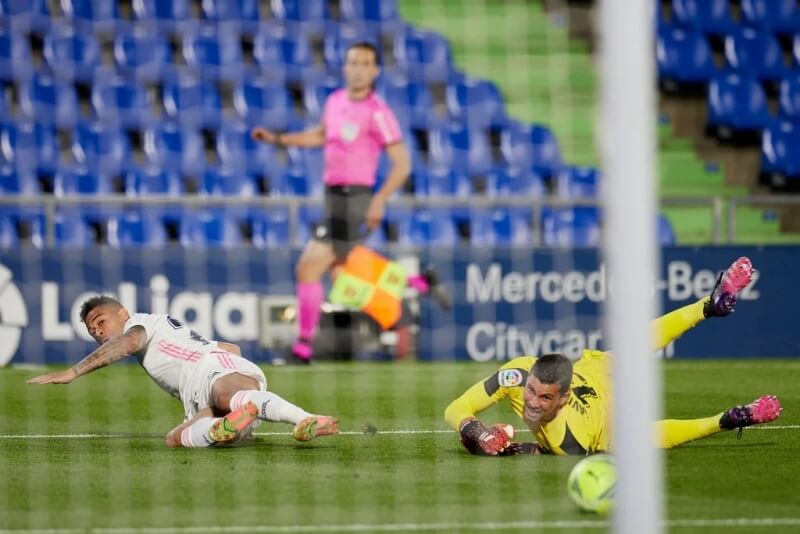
[
  {"x": 58, "y": 377},
  {"x": 478, "y": 439},
  {"x": 375, "y": 212},
  {"x": 263, "y": 135}
]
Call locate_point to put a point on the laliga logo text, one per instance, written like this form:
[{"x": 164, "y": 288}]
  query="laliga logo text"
[{"x": 13, "y": 316}]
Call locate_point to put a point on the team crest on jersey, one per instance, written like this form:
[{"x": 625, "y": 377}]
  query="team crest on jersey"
[
  {"x": 349, "y": 131},
  {"x": 509, "y": 378}
]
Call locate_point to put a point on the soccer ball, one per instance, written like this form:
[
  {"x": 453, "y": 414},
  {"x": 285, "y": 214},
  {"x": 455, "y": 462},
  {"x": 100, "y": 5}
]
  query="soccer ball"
[{"x": 592, "y": 483}]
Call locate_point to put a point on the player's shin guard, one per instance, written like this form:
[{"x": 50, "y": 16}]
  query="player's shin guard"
[{"x": 271, "y": 407}]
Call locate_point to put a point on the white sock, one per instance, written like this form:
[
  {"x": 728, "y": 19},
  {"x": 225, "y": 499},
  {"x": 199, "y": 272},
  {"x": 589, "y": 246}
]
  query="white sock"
[
  {"x": 196, "y": 435},
  {"x": 271, "y": 407}
]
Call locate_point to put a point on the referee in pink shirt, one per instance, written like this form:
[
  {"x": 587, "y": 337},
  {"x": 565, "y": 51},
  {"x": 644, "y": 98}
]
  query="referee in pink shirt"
[{"x": 356, "y": 127}]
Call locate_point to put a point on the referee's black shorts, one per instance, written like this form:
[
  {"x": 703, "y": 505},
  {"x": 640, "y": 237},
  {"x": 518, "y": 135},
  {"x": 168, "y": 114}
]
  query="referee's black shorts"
[{"x": 344, "y": 222}]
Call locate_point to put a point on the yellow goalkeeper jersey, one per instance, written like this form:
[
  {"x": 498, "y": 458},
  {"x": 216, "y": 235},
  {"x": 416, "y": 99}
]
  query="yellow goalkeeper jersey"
[{"x": 581, "y": 427}]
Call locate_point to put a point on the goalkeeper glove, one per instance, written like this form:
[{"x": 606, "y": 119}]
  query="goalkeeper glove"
[
  {"x": 514, "y": 449},
  {"x": 478, "y": 439}
]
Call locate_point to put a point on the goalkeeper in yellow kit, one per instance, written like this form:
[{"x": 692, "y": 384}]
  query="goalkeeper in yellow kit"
[{"x": 568, "y": 407}]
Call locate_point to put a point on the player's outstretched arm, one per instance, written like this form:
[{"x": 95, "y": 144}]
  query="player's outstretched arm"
[
  {"x": 111, "y": 351},
  {"x": 311, "y": 138}
]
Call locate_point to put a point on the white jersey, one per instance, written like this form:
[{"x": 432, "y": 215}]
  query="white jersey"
[{"x": 172, "y": 352}]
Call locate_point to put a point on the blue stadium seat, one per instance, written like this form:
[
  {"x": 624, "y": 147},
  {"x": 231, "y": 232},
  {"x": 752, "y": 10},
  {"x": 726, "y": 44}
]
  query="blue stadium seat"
[
  {"x": 283, "y": 51},
  {"x": 100, "y": 147},
  {"x": 176, "y": 149},
  {"x": 296, "y": 181},
  {"x": 780, "y": 157},
  {"x": 428, "y": 227},
  {"x": 756, "y": 54},
  {"x": 710, "y": 16},
  {"x": 122, "y": 103},
  {"x": 790, "y": 98},
  {"x": 153, "y": 181},
  {"x": 8, "y": 232},
  {"x": 209, "y": 229},
  {"x": 456, "y": 147},
  {"x": 260, "y": 102},
  {"x": 412, "y": 103},
  {"x": 143, "y": 56},
  {"x": 30, "y": 146},
  {"x": 777, "y": 15},
  {"x": 97, "y": 15},
  {"x": 72, "y": 181},
  {"x": 229, "y": 182},
  {"x": 309, "y": 161},
  {"x": 381, "y": 14},
  {"x": 214, "y": 55},
  {"x": 16, "y": 60},
  {"x": 684, "y": 56},
  {"x": 423, "y": 55},
  {"x": 25, "y": 15},
  {"x": 45, "y": 99},
  {"x": 578, "y": 182},
  {"x": 193, "y": 103},
  {"x": 309, "y": 216},
  {"x": 270, "y": 228},
  {"x": 515, "y": 182},
  {"x": 534, "y": 146},
  {"x": 236, "y": 149},
  {"x": 501, "y": 226},
  {"x": 17, "y": 182},
  {"x": 70, "y": 231},
  {"x": 441, "y": 182},
  {"x": 242, "y": 15},
  {"x": 571, "y": 227},
  {"x": 301, "y": 15},
  {"x": 72, "y": 55},
  {"x": 666, "y": 234},
  {"x": 736, "y": 103},
  {"x": 314, "y": 96},
  {"x": 168, "y": 15},
  {"x": 136, "y": 228},
  {"x": 476, "y": 103}
]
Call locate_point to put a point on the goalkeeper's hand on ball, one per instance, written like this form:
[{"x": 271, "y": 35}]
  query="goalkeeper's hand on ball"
[{"x": 477, "y": 438}]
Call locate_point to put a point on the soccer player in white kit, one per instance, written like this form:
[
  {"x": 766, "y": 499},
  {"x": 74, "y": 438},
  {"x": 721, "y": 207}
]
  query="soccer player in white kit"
[{"x": 223, "y": 394}]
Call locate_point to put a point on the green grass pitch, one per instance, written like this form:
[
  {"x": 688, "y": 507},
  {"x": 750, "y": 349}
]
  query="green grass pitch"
[{"x": 417, "y": 481}]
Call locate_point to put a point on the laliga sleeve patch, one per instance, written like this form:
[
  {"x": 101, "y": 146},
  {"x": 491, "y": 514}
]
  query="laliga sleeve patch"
[{"x": 510, "y": 377}]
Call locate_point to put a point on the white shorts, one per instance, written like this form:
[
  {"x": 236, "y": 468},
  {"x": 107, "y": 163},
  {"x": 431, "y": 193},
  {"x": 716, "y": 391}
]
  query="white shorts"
[{"x": 196, "y": 394}]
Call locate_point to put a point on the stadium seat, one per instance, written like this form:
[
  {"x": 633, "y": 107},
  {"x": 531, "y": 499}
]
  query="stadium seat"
[
  {"x": 515, "y": 182},
  {"x": 72, "y": 55},
  {"x": 777, "y": 15},
  {"x": 96, "y": 15},
  {"x": 16, "y": 60},
  {"x": 262, "y": 103},
  {"x": 709, "y": 16},
  {"x": 271, "y": 228},
  {"x": 423, "y": 55},
  {"x": 122, "y": 103},
  {"x": 780, "y": 158},
  {"x": 501, "y": 226},
  {"x": 790, "y": 98},
  {"x": 279, "y": 51},
  {"x": 214, "y": 55},
  {"x": 8, "y": 232},
  {"x": 736, "y": 103},
  {"x": 314, "y": 96},
  {"x": 168, "y": 15},
  {"x": 153, "y": 181},
  {"x": 412, "y": 103},
  {"x": 139, "y": 228},
  {"x": 193, "y": 103},
  {"x": 222, "y": 181},
  {"x": 100, "y": 147},
  {"x": 30, "y": 146},
  {"x": 310, "y": 161},
  {"x": 47, "y": 100},
  {"x": 302, "y": 16},
  {"x": 17, "y": 182},
  {"x": 476, "y": 103},
  {"x": 296, "y": 181},
  {"x": 309, "y": 216},
  {"x": 209, "y": 229},
  {"x": 71, "y": 231},
  {"x": 755, "y": 54},
  {"x": 428, "y": 227},
  {"x": 571, "y": 227},
  {"x": 143, "y": 56},
  {"x": 533, "y": 146},
  {"x": 683, "y": 56},
  {"x": 441, "y": 182},
  {"x": 176, "y": 149},
  {"x": 81, "y": 181},
  {"x": 25, "y": 15},
  {"x": 378, "y": 14},
  {"x": 578, "y": 182},
  {"x": 666, "y": 234},
  {"x": 241, "y": 15},
  {"x": 236, "y": 149},
  {"x": 456, "y": 147}
]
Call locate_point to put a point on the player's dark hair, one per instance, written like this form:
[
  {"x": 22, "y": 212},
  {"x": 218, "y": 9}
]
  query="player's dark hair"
[
  {"x": 553, "y": 369},
  {"x": 94, "y": 302},
  {"x": 366, "y": 45}
]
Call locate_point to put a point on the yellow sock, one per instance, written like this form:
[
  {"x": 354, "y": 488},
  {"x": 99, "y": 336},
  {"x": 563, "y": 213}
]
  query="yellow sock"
[
  {"x": 672, "y": 325},
  {"x": 674, "y": 432}
]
